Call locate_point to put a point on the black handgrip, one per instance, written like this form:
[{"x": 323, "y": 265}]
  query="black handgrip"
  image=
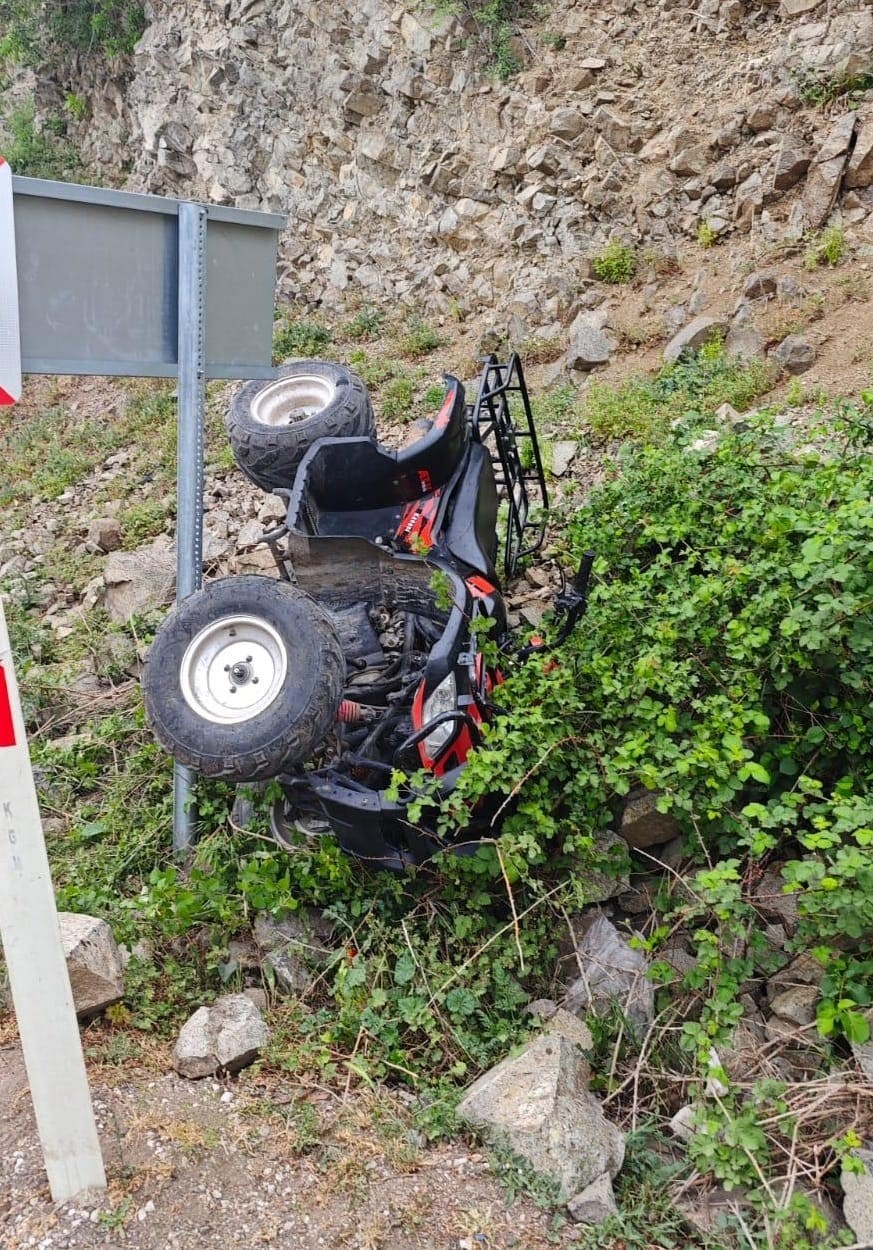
[{"x": 583, "y": 576}]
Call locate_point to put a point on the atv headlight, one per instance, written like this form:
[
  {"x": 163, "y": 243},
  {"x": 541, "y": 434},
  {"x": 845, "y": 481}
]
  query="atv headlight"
[{"x": 444, "y": 698}]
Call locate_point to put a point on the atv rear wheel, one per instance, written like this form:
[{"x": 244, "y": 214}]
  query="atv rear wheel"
[
  {"x": 271, "y": 425},
  {"x": 244, "y": 679}
]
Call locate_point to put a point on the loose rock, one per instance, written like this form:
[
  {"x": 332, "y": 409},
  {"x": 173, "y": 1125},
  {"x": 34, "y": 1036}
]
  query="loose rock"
[
  {"x": 613, "y": 974},
  {"x": 642, "y": 825},
  {"x": 93, "y": 961},
  {"x": 795, "y": 354},
  {"x": 224, "y": 1037},
  {"x": 858, "y": 1200},
  {"x": 139, "y": 581},
  {"x": 595, "y": 1203},
  {"x": 539, "y": 1105},
  {"x": 696, "y": 334}
]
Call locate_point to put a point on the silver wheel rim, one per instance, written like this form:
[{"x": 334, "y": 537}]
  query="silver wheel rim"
[
  {"x": 291, "y": 399},
  {"x": 233, "y": 669}
]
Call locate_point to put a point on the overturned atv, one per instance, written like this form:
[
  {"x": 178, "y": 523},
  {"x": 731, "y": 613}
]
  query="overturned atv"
[{"x": 361, "y": 657}]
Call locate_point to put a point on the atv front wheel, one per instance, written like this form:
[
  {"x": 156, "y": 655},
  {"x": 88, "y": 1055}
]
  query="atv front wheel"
[
  {"x": 244, "y": 679},
  {"x": 271, "y": 425}
]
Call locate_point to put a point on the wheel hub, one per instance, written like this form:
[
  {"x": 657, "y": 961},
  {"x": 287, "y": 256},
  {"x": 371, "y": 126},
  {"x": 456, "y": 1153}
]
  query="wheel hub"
[
  {"x": 291, "y": 399},
  {"x": 233, "y": 669}
]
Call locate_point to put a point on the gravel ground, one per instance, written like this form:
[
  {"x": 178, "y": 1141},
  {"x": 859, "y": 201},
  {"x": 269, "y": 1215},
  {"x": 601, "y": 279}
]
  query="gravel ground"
[{"x": 211, "y": 1164}]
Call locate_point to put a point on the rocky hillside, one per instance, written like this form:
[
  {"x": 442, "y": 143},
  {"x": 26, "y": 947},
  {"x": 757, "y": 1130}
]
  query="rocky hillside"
[{"x": 411, "y": 173}]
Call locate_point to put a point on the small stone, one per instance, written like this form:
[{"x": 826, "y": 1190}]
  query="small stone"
[
  {"x": 563, "y": 455},
  {"x": 94, "y": 962},
  {"x": 796, "y": 1005},
  {"x": 588, "y": 347},
  {"x": 224, "y": 1037},
  {"x": 694, "y": 335},
  {"x": 613, "y": 974},
  {"x": 826, "y": 172},
  {"x": 859, "y": 171},
  {"x": 794, "y": 8},
  {"x": 104, "y": 534},
  {"x": 792, "y": 162},
  {"x": 642, "y": 825},
  {"x": 139, "y": 581},
  {"x": 744, "y": 342},
  {"x": 759, "y": 286},
  {"x": 794, "y": 354},
  {"x": 682, "y": 1123},
  {"x": 858, "y": 1199},
  {"x": 538, "y": 1103},
  {"x": 596, "y": 1202}
]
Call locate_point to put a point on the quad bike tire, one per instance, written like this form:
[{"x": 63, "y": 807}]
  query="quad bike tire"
[
  {"x": 271, "y": 425},
  {"x": 244, "y": 679}
]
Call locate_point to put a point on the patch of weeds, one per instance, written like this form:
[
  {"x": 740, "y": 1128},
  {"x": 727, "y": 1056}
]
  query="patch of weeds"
[
  {"x": 617, "y": 263},
  {"x": 433, "y": 396},
  {"x": 537, "y": 351},
  {"x": 116, "y": 1216},
  {"x": 142, "y": 521},
  {"x": 42, "y": 35},
  {"x": 637, "y": 333},
  {"x": 49, "y": 452},
  {"x": 494, "y": 22},
  {"x": 555, "y": 410},
  {"x": 689, "y": 389},
  {"x": 39, "y": 149},
  {"x": 853, "y": 286},
  {"x": 519, "y": 1179},
  {"x": 817, "y": 90},
  {"x": 298, "y": 337},
  {"x": 397, "y": 397},
  {"x": 366, "y": 324},
  {"x": 419, "y": 339},
  {"x": 828, "y": 247},
  {"x": 706, "y": 234},
  {"x": 555, "y": 40},
  {"x": 781, "y": 319}
]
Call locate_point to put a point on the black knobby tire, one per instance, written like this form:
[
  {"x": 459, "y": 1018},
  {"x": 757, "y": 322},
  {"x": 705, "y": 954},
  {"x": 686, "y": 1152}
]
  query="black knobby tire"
[
  {"x": 283, "y": 653},
  {"x": 271, "y": 425}
]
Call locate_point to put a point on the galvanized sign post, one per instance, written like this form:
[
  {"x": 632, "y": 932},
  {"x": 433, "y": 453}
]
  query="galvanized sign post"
[{"x": 129, "y": 285}]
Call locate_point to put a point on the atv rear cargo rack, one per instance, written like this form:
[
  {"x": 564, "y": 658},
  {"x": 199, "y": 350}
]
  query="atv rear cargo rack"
[{"x": 515, "y": 454}]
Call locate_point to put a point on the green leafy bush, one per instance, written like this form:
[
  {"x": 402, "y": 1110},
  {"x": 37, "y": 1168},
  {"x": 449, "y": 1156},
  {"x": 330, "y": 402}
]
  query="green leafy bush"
[
  {"x": 727, "y": 663},
  {"x": 494, "y": 22},
  {"x": 298, "y": 337},
  {"x": 37, "y": 33},
  {"x": 39, "y": 149},
  {"x": 616, "y": 263}
]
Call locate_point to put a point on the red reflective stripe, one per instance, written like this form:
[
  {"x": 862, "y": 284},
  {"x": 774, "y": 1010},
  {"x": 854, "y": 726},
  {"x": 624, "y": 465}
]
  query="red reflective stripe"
[
  {"x": 5, "y": 397},
  {"x": 7, "y": 726}
]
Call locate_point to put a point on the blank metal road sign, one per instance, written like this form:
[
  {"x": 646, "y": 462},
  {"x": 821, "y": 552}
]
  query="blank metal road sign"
[{"x": 10, "y": 346}]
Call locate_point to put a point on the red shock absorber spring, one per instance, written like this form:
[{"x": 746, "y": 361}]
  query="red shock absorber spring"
[{"x": 350, "y": 713}]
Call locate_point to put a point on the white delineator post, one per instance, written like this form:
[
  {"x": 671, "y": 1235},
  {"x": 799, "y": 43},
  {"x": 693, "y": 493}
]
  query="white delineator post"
[
  {"x": 38, "y": 976},
  {"x": 29, "y": 927}
]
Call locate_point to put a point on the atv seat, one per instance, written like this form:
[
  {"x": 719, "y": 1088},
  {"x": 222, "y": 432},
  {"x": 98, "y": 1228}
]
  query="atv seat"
[{"x": 355, "y": 487}]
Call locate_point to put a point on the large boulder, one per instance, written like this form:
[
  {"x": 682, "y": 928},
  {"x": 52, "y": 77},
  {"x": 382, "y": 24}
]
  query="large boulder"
[
  {"x": 222, "y": 1038},
  {"x": 93, "y": 962},
  {"x": 538, "y": 1104}
]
